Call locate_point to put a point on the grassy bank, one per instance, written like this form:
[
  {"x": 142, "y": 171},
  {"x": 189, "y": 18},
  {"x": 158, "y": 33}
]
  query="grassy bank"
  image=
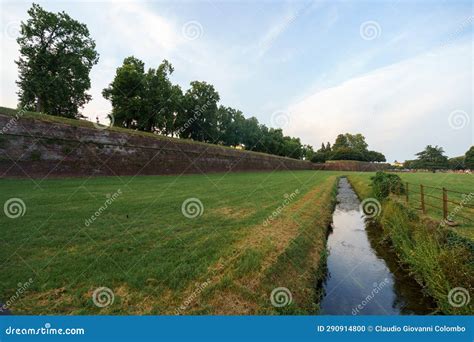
[
  {"x": 254, "y": 232},
  {"x": 463, "y": 183},
  {"x": 439, "y": 258}
]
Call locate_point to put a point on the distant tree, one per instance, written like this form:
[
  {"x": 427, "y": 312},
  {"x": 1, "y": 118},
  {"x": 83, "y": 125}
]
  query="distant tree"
[
  {"x": 356, "y": 142},
  {"x": 328, "y": 147},
  {"x": 456, "y": 163},
  {"x": 341, "y": 142},
  {"x": 323, "y": 148},
  {"x": 469, "y": 159},
  {"x": 318, "y": 157},
  {"x": 373, "y": 156},
  {"x": 56, "y": 56},
  {"x": 351, "y": 147},
  {"x": 307, "y": 152},
  {"x": 431, "y": 158},
  {"x": 409, "y": 164},
  {"x": 346, "y": 153},
  {"x": 198, "y": 121}
]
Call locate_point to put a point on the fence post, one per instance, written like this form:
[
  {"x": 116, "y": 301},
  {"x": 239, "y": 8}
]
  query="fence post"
[
  {"x": 406, "y": 192},
  {"x": 422, "y": 194},
  {"x": 445, "y": 203}
]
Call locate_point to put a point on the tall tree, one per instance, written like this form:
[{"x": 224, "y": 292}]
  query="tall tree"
[
  {"x": 469, "y": 159},
  {"x": 199, "y": 118},
  {"x": 126, "y": 92},
  {"x": 146, "y": 101},
  {"x": 432, "y": 158},
  {"x": 56, "y": 57}
]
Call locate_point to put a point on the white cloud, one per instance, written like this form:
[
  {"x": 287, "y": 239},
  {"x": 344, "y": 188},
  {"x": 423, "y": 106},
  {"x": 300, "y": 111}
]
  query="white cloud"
[{"x": 399, "y": 108}]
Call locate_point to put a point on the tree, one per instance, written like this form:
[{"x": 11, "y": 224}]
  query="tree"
[
  {"x": 199, "y": 118},
  {"x": 431, "y": 158},
  {"x": 356, "y": 142},
  {"x": 307, "y": 152},
  {"x": 341, "y": 142},
  {"x": 373, "y": 156},
  {"x": 126, "y": 92},
  {"x": 56, "y": 57},
  {"x": 318, "y": 157},
  {"x": 162, "y": 100},
  {"x": 469, "y": 159},
  {"x": 456, "y": 163},
  {"x": 144, "y": 101}
]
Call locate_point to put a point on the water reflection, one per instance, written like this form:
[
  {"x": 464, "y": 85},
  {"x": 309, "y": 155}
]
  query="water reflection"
[{"x": 364, "y": 277}]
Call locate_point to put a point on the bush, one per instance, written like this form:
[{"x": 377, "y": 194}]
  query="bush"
[{"x": 383, "y": 184}]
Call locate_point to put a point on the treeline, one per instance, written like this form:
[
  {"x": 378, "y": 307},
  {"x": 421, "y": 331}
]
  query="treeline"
[
  {"x": 433, "y": 158},
  {"x": 347, "y": 147},
  {"x": 147, "y": 100}
]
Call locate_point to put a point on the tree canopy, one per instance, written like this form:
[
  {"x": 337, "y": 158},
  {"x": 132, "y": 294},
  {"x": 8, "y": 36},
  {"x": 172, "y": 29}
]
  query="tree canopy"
[
  {"x": 56, "y": 56},
  {"x": 469, "y": 159},
  {"x": 348, "y": 147},
  {"x": 431, "y": 158}
]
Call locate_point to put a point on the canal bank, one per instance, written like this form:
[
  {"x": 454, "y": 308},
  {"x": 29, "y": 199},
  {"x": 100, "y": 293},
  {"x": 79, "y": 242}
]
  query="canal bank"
[{"x": 362, "y": 276}]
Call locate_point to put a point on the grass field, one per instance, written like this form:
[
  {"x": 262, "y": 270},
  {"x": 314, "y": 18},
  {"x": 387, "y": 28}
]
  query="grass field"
[
  {"x": 129, "y": 234},
  {"x": 458, "y": 182}
]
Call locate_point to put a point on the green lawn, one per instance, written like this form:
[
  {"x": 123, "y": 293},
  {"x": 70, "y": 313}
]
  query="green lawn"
[
  {"x": 458, "y": 182},
  {"x": 154, "y": 258}
]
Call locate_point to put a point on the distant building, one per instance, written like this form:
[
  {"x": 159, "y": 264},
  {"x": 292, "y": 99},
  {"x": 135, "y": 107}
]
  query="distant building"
[{"x": 397, "y": 164}]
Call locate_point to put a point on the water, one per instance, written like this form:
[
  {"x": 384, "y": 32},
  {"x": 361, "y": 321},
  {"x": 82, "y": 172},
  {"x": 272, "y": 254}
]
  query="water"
[{"x": 363, "y": 276}]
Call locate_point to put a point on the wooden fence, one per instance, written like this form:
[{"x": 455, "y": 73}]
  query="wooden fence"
[{"x": 446, "y": 198}]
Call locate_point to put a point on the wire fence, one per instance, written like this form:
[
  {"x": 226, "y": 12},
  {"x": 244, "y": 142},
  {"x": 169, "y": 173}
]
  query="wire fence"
[{"x": 450, "y": 204}]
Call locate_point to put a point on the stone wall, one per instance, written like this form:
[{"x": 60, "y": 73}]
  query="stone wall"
[{"x": 37, "y": 148}]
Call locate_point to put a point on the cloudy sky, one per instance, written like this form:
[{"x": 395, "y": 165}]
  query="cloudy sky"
[{"x": 399, "y": 72}]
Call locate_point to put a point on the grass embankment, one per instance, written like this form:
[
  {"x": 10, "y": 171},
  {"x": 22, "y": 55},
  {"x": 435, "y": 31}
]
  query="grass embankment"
[
  {"x": 156, "y": 260},
  {"x": 439, "y": 258}
]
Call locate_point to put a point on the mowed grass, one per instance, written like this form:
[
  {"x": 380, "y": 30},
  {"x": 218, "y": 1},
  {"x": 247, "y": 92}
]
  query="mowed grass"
[
  {"x": 155, "y": 259},
  {"x": 463, "y": 183}
]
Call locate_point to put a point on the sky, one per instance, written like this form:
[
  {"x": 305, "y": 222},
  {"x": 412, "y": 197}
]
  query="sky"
[{"x": 399, "y": 72}]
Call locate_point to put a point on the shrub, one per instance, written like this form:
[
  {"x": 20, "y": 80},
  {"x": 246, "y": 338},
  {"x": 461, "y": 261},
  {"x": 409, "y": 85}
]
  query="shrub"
[{"x": 383, "y": 184}]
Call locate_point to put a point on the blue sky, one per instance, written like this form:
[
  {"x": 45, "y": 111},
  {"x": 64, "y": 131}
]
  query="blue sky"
[{"x": 399, "y": 72}]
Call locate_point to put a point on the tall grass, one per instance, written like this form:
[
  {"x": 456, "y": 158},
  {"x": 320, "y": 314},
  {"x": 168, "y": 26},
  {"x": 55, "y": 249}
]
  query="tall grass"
[{"x": 428, "y": 250}]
